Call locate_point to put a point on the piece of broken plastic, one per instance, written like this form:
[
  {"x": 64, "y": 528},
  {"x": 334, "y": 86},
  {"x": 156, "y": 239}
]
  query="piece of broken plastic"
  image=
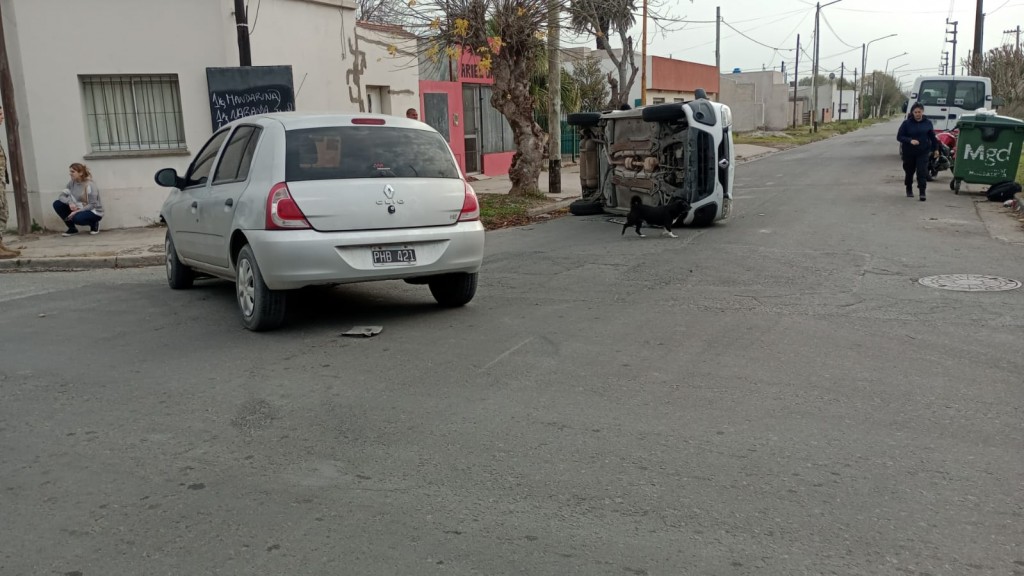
[{"x": 363, "y": 331}]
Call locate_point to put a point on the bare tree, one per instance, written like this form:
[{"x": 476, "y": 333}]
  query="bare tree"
[
  {"x": 1005, "y": 67},
  {"x": 601, "y": 18},
  {"x": 591, "y": 83},
  {"x": 384, "y": 11},
  {"x": 509, "y": 37}
]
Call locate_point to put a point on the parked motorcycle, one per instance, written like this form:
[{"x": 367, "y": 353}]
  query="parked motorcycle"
[{"x": 947, "y": 153}]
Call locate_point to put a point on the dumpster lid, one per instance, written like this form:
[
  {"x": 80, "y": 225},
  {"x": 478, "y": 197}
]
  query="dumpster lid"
[{"x": 989, "y": 119}]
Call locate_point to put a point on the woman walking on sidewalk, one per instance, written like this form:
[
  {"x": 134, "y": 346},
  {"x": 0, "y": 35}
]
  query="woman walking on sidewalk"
[
  {"x": 917, "y": 142},
  {"x": 80, "y": 202}
]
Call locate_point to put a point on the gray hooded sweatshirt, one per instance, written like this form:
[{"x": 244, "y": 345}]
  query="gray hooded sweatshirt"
[{"x": 76, "y": 192}]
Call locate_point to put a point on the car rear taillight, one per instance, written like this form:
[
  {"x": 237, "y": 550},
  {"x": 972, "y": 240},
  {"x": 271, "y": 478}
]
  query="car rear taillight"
[
  {"x": 369, "y": 121},
  {"x": 282, "y": 211},
  {"x": 470, "y": 206}
]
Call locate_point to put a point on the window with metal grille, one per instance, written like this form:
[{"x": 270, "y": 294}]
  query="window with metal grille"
[{"x": 130, "y": 113}]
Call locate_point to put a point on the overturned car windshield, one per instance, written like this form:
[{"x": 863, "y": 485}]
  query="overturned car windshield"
[{"x": 346, "y": 152}]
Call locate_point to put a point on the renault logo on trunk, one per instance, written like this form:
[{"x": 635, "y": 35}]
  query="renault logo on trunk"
[{"x": 389, "y": 199}]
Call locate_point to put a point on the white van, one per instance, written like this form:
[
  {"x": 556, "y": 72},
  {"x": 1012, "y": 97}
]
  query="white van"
[{"x": 947, "y": 98}]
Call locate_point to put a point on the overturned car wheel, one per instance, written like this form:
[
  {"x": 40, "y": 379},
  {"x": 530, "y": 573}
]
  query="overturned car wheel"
[
  {"x": 586, "y": 208},
  {"x": 705, "y": 216},
  {"x": 664, "y": 112},
  {"x": 584, "y": 119}
]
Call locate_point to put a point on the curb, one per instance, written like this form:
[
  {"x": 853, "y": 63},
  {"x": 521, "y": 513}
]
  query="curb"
[
  {"x": 548, "y": 208},
  {"x": 79, "y": 263}
]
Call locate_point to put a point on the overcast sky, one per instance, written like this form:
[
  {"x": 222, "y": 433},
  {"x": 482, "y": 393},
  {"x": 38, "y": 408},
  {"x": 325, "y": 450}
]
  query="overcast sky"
[{"x": 771, "y": 28}]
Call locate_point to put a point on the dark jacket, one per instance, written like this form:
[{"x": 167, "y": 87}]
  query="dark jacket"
[{"x": 922, "y": 131}]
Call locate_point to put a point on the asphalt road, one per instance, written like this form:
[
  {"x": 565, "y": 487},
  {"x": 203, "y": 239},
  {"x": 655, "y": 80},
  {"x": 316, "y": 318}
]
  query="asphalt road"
[{"x": 775, "y": 395}]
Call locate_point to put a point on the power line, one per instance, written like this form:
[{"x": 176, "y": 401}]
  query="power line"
[
  {"x": 759, "y": 18},
  {"x": 829, "y": 24},
  {"x": 839, "y": 54},
  {"x": 257, "y": 18},
  {"x": 755, "y": 41},
  {"x": 701, "y": 45},
  {"x": 1001, "y": 6}
]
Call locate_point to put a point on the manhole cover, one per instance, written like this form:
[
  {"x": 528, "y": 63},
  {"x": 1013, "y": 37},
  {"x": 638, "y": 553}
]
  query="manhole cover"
[{"x": 970, "y": 283}]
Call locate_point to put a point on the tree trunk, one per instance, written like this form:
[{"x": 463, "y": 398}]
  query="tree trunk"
[{"x": 511, "y": 96}]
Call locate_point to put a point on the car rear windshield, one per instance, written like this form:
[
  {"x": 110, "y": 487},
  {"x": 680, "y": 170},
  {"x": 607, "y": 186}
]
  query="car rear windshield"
[{"x": 345, "y": 152}]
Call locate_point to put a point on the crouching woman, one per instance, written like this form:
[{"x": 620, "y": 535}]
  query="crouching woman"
[{"x": 79, "y": 204}]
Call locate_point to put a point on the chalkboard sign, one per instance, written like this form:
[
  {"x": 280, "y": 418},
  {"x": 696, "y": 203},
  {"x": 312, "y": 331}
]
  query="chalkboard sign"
[{"x": 239, "y": 92}]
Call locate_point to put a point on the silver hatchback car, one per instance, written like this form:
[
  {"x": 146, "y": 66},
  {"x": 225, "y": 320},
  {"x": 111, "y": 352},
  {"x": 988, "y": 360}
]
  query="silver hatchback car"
[{"x": 282, "y": 201}]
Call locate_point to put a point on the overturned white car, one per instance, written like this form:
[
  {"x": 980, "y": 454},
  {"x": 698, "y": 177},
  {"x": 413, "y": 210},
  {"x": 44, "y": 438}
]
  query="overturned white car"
[{"x": 657, "y": 153}]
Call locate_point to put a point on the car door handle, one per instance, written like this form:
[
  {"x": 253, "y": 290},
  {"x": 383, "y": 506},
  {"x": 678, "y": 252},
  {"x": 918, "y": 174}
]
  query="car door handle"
[{"x": 229, "y": 202}]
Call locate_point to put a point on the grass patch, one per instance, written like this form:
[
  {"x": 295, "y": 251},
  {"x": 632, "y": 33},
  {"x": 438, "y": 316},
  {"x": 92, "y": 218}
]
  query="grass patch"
[
  {"x": 792, "y": 137},
  {"x": 502, "y": 211}
]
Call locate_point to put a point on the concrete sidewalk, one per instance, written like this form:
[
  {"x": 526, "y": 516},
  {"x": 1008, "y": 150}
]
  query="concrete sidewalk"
[{"x": 135, "y": 247}]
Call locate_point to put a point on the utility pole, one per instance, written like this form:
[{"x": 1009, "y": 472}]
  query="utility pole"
[
  {"x": 856, "y": 99},
  {"x": 874, "y": 89},
  {"x": 796, "y": 82},
  {"x": 13, "y": 139},
  {"x": 643, "y": 64},
  {"x": 242, "y": 26},
  {"x": 718, "y": 38},
  {"x": 1017, "y": 32},
  {"x": 842, "y": 71},
  {"x": 554, "y": 100},
  {"x": 863, "y": 80},
  {"x": 944, "y": 63},
  {"x": 953, "y": 42},
  {"x": 814, "y": 70},
  {"x": 979, "y": 35}
]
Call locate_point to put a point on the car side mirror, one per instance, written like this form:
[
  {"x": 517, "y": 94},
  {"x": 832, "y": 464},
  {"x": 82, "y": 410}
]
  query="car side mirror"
[
  {"x": 904, "y": 106},
  {"x": 998, "y": 101},
  {"x": 168, "y": 178}
]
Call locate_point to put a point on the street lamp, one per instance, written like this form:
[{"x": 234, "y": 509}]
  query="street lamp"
[
  {"x": 864, "y": 67},
  {"x": 814, "y": 73},
  {"x": 886, "y": 69}
]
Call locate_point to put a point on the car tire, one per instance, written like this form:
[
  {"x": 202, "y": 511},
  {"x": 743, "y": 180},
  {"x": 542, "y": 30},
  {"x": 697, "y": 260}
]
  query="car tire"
[
  {"x": 704, "y": 216},
  {"x": 663, "y": 112},
  {"x": 179, "y": 276},
  {"x": 583, "y": 119},
  {"x": 453, "y": 290},
  {"x": 261, "y": 308},
  {"x": 586, "y": 208}
]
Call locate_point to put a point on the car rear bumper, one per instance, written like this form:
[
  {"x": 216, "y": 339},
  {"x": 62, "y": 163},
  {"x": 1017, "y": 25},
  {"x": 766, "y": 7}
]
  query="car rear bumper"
[{"x": 291, "y": 259}]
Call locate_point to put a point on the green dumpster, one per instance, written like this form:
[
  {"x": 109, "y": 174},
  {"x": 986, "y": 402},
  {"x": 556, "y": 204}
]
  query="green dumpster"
[{"x": 988, "y": 149}]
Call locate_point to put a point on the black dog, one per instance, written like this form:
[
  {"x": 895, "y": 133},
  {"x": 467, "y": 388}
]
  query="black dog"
[{"x": 663, "y": 216}]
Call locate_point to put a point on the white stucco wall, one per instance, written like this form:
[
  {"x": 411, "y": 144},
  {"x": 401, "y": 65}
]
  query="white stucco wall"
[
  {"x": 849, "y": 100},
  {"x": 51, "y": 43},
  {"x": 315, "y": 37},
  {"x": 396, "y": 74},
  {"x": 59, "y": 40}
]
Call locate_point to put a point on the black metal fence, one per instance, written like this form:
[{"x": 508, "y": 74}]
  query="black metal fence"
[{"x": 570, "y": 135}]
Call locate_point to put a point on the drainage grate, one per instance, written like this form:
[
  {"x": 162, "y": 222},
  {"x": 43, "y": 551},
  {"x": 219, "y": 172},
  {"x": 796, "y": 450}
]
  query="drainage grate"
[{"x": 970, "y": 283}]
